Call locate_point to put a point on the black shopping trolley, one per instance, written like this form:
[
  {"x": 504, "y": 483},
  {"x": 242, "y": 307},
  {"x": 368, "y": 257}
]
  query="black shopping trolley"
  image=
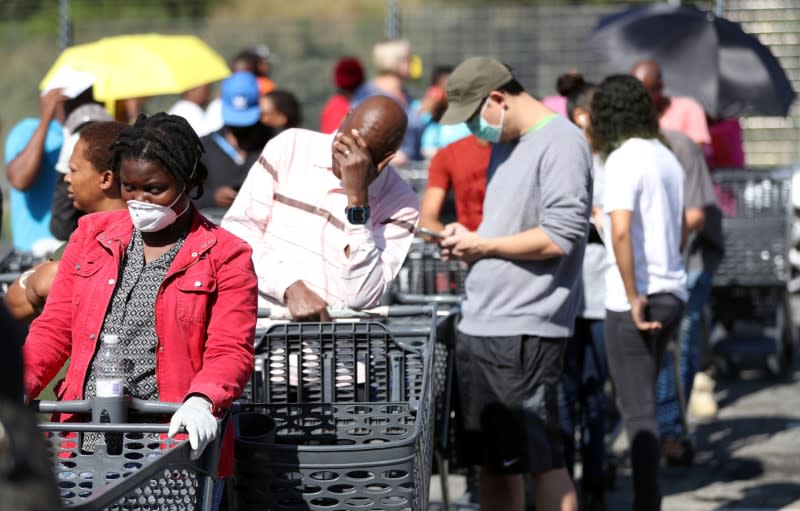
[
  {"x": 750, "y": 300},
  {"x": 353, "y": 408},
  {"x": 150, "y": 471},
  {"x": 13, "y": 263},
  {"x": 427, "y": 278}
]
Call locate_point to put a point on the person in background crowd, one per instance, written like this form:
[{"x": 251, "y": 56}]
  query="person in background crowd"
[
  {"x": 522, "y": 288},
  {"x": 702, "y": 221},
  {"x": 558, "y": 103},
  {"x": 460, "y": 166},
  {"x": 127, "y": 110},
  {"x": 392, "y": 59},
  {"x": 31, "y": 152},
  {"x": 727, "y": 144},
  {"x": 249, "y": 60},
  {"x": 64, "y": 215},
  {"x": 179, "y": 291},
  {"x": 436, "y": 135},
  {"x": 582, "y": 401},
  {"x": 280, "y": 110},
  {"x": 231, "y": 151},
  {"x": 674, "y": 113},
  {"x": 92, "y": 187},
  {"x": 348, "y": 75},
  {"x": 330, "y": 222},
  {"x": 646, "y": 286},
  {"x": 192, "y": 107}
]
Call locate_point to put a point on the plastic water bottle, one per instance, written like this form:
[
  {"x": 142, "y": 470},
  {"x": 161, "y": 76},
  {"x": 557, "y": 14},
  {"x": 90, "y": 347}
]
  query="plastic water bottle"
[{"x": 109, "y": 368}]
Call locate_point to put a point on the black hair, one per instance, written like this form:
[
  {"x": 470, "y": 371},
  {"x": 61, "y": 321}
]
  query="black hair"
[
  {"x": 286, "y": 103},
  {"x": 250, "y": 58},
  {"x": 621, "y": 109},
  {"x": 577, "y": 90},
  {"x": 439, "y": 72},
  {"x": 512, "y": 86},
  {"x": 165, "y": 139},
  {"x": 84, "y": 98}
]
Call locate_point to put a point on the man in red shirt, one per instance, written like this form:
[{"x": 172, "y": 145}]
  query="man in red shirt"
[{"x": 461, "y": 165}]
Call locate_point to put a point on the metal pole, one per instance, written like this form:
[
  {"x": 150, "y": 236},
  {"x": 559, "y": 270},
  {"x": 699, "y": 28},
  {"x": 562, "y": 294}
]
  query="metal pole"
[
  {"x": 392, "y": 24},
  {"x": 64, "y": 24}
]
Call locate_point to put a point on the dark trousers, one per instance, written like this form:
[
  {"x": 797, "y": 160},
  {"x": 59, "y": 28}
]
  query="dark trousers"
[
  {"x": 634, "y": 358},
  {"x": 581, "y": 401}
]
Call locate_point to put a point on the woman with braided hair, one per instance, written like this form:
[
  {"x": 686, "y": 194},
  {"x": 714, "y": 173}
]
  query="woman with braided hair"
[{"x": 179, "y": 291}]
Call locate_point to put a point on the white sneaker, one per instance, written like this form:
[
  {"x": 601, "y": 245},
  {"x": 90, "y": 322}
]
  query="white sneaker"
[{"x": 702, "y": 405}]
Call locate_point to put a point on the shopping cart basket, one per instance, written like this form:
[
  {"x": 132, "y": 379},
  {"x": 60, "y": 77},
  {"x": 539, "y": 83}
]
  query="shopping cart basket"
[
  {"x": 426, "y": 278},
  {"x": 152, "y": 472},
  {"x": 353, "y": 407},
  {"x": 750, "y": 299}
]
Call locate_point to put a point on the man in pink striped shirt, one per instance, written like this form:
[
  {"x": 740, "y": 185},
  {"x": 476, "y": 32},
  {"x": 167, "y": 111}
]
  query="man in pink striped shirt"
[{"x": 329, "y": 221}]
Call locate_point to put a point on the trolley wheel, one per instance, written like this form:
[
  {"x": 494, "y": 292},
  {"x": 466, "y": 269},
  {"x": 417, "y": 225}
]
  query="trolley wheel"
[{"x": 724, "y": 366}]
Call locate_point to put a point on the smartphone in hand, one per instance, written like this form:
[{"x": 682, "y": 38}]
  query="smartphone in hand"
[{"x": 422, "y": 232}]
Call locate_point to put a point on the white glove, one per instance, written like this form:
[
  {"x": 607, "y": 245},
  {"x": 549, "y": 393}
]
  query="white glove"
[{"x": 201, "y": 425}]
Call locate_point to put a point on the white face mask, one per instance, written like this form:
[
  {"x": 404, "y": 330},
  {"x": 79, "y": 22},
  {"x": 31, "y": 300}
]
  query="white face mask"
[{"x": 149, "y": 217}]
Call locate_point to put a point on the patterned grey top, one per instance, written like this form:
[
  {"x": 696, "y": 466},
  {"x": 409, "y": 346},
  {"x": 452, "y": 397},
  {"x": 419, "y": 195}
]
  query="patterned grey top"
[{"x": 131, "y": 317}]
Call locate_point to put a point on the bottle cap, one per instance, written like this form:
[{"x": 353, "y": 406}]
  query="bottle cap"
[{"x": 110, "y": 339}]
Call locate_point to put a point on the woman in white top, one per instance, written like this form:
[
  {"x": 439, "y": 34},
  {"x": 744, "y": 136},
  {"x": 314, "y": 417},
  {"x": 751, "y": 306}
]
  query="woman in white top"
[{"x": 646, "y": 285}]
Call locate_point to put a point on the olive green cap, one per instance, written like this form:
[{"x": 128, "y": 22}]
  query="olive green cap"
[{"x": 469, "y": 84}]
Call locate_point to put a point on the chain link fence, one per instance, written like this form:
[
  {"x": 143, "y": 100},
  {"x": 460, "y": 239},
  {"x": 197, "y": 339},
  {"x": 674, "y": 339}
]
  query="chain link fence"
[
  {"x": 542, "y": 42},
  {"x": 539, "y": 42}
]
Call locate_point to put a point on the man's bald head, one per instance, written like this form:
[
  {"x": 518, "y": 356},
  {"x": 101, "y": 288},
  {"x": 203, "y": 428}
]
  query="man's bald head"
[
  {"x": 649, "y": 73},
  {"x": 382, "y": 123}
]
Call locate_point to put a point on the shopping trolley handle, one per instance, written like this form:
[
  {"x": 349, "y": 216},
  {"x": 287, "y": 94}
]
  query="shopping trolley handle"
[
  {"x": 383, "y": 311},
  {"x": 86, "y": 405}
]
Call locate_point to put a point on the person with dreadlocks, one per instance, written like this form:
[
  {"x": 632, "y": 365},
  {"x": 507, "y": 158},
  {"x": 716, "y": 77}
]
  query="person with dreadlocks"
[{"x": 179, "y": 291}]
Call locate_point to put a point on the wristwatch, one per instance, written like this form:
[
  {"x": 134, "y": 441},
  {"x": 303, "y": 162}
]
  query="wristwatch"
[{"x": 357, "y": 215}]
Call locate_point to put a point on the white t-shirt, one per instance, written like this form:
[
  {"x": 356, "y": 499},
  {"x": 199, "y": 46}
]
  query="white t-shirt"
[{"x": 644, "y": 177}]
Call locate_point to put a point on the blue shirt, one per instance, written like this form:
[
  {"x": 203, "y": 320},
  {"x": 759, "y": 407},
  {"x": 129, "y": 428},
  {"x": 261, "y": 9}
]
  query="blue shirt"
[
  {"x": 437, "y": 136},
  {"x": 30, "y": 208}
]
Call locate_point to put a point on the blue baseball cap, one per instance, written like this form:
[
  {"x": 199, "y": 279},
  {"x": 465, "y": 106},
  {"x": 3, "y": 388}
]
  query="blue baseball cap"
[{"x": 240, "y": 100}]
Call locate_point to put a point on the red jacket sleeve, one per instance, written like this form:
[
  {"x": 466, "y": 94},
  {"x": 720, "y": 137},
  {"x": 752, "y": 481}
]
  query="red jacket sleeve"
[{"x": 228, "y": 356}]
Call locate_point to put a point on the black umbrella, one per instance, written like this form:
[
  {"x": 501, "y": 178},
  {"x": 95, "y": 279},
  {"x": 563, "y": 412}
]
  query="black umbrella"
[{"x": 701, "y": 55}]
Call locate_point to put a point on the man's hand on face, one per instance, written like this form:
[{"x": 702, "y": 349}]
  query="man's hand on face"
[
  {"x": 354, "y": 159},
  {"x": 304, "y": 304}
]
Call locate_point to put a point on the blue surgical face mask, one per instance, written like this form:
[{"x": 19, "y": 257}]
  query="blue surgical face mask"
[{"x": 483, "y": 130}]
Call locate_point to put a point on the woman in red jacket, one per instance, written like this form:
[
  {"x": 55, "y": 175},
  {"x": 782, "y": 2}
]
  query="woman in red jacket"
[{"x": 179, "y": 291}]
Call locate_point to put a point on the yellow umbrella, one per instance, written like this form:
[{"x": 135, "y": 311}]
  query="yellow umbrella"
[{"x": 132, "y": 66}]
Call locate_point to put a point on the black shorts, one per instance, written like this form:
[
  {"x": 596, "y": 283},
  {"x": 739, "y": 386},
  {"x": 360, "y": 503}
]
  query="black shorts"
[{"x": 508, "y": 393}]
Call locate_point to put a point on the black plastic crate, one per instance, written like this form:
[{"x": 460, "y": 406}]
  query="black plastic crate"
[
  {"x": 425, "y": 277},
  {"x": 756, "y": 223},
  {"x": 152, "y": 472},
  {"x": 354, "y": 411}
]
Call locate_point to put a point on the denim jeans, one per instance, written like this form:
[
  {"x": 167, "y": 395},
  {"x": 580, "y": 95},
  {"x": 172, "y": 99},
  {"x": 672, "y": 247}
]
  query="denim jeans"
[
  {"x": 581, "y": 400},
  {"x": 667, "y": 402}
]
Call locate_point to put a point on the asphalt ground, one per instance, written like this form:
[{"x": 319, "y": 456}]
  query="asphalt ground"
[{"x": 747, "y": 459}]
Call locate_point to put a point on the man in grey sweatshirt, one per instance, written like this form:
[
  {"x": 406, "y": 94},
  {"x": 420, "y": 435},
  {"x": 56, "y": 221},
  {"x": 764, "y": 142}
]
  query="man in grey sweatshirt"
[{"x": 523, "y": 287}]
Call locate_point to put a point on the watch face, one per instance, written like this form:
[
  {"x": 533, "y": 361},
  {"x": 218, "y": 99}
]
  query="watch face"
[{"x": 357, "y": 215}]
